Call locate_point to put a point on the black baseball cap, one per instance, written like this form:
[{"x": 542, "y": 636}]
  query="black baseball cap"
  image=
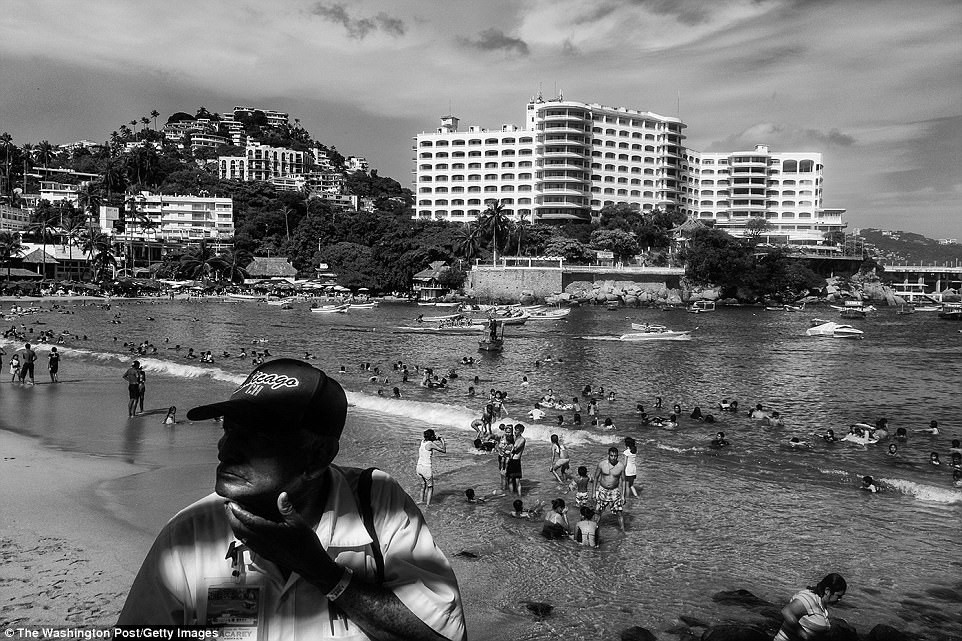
[{"x": 284, "y": 393}]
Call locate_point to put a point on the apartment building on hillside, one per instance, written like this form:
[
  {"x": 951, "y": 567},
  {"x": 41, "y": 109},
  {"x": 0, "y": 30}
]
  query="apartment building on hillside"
[
  {"x": 261, "y": 162},
  {"x": 571, "y": 159},
  {"x": 174, "y": 217}
]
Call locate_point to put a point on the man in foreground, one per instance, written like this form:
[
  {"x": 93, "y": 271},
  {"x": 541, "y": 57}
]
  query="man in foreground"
[
  {"x": 291, "y": 546},
  {"x": 610, "y": 485}
]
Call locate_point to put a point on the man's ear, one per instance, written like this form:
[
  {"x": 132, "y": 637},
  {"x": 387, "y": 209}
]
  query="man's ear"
[{"x": 323, "y": 452}]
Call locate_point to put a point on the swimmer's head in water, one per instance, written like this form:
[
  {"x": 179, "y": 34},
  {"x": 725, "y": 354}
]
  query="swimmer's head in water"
[
  {"x": 867, "y": 480},
  {"x": 933, "y": 424},
  {"x": 720, "y": 435},
  {"x": 557, "y": 504}
]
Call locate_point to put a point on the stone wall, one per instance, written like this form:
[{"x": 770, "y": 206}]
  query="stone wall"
[{"x": 508, "y": 283}]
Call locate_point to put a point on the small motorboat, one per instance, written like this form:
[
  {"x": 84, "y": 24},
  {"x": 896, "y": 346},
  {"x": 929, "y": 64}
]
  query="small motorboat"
[
  {"x": 246, "y": 296},
  {"x": 545, "y": 314},
  {"x": 331, "y": 309},
  {"x": 281, "y": 302},
  {"x": 369, "y": 305},
  {"x": 951, "y": 311},
  {"x": 830, "y": 329},
  {"x": 647, "y": 332},
  {"x": 701, "y": 306}
]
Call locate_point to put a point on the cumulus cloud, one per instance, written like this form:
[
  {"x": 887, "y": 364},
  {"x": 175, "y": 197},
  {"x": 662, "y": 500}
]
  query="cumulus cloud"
[
  {"x": 781, "y": 137},
  {"x": 496, "y": 40},
  {"x": 359, "y": 28}
]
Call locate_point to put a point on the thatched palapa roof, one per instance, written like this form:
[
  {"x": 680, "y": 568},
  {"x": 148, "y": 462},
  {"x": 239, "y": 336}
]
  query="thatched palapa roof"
[{"x": 265, "y": 267}]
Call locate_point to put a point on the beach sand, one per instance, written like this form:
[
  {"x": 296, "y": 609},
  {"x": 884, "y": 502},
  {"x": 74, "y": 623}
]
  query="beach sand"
[{"x": 62, "y": 561}]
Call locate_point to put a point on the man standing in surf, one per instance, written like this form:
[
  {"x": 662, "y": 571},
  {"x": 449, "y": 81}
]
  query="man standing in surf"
[{"x": 610, "y": 483}]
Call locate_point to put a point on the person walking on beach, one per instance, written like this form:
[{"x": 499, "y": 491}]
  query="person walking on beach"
[
  {"x": 610, "y": 485},
  {"x": 315, "y": 549},
  {"x": 132, "y": 376},
  {"x": 27, "y": 358},
  {"x": 141, "y": 386},
  {"x": 425, "y": 468},
  {"x": 559, "y": 460},
  {"x": 806, "y": 614},
  {"x": 53, "y": 365}
]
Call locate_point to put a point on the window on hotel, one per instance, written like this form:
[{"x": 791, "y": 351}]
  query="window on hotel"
[
  {"x": 491, "y": 176},
  {"x": 424, "y": 190},
  {"x": 474, "y": 189},
  {"x": 507, "y": 176},
  {"x": 441, "y": 190},
  {"x": 474, "y": 154}
]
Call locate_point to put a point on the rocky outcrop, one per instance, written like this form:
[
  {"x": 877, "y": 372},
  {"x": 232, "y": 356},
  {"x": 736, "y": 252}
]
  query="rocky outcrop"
[{"x": 633, "y": 294}]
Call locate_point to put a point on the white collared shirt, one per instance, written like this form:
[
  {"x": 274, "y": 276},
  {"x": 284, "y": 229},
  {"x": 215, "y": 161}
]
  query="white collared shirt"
[{"x": 189, "y": 554}]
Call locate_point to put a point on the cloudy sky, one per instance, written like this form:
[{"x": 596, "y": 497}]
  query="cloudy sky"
[{"x": 875, "y": 85}]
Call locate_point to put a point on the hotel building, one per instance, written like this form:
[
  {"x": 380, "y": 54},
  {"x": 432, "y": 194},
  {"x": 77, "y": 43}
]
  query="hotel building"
[
  {"x": 571, "y": 159},
  {"x": 176, "y": 218},
  {"x": 261, "y": 162}
]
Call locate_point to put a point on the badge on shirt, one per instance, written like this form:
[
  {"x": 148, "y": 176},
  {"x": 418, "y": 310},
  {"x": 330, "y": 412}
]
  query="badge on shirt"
[{"x": 235, "y": 608}]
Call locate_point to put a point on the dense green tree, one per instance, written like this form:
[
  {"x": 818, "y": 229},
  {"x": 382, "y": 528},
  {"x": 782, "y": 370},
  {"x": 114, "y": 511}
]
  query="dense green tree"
[
  {"x": 714, "y": 257},
  {"x": 568, "y": 248},
  {"x": 622, "y": 243}
]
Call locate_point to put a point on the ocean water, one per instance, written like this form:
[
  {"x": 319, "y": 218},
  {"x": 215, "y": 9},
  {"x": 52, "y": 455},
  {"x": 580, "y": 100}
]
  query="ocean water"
[{"x": 761, "y": 515}]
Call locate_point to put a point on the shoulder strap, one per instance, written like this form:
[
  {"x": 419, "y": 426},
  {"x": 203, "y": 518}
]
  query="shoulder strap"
[{"x": 364, "y": 484}]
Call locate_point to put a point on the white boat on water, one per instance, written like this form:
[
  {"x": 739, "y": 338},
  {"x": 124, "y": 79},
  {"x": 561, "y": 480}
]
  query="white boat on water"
[
  {"x": 280, "y": 302},
  {"x": 854, "y": 305},
  {"x": 246, "y": 296},
  {"x": 546, "y": 314},
  {"x": 370, "y": 305},
  {"x": 831, "y": 329},
  {"x": 648, "y": 332},
  {"x": 516, "y": 319},
  {"x": 331, "y": 309},
  {"x": 701, "y": 307}
]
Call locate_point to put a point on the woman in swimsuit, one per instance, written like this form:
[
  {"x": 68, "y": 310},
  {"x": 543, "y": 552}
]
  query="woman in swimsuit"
[
  {"x": 425, "y": 469},
  {"x": 631, "y": 468},
  {"x": 559, "y": 459}
]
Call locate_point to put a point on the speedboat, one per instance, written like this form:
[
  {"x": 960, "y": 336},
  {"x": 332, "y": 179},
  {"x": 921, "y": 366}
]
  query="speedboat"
[
  {"x": 701, "y": 306},
  {"x": 331, "y": 309},
  {"x": 830, "y": 329},
  {"x": 646, "y": 332}
]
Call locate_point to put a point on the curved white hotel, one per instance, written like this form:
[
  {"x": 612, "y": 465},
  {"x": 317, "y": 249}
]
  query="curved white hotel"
[{"x": 571, "y": 159}]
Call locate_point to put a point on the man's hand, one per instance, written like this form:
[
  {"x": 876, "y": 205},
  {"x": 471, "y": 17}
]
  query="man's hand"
[{"x": 291, "y": 543}]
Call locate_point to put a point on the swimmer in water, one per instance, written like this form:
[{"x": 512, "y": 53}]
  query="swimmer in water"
[
  {"x": 957, "y": 478},
  {"x": 868, "y": 484},
  {"x": 934, "y": 458},
  {"x": 797, "y": 442},
  {"x": 894, "y": 451},
  {"x": 774, "y": 420},
  {"x": 171, "y": 417},
  {"x": 956, "y": 460},
  {"x": 956, "y": 446},
  {"x": 696, "y": 414},
  {"x": 657, "y": 402},
  {"x": 676, "y": 408},
  {"x": 901, "y": 435},
  {"x": 719, "y": 441},
  {"x": 932, "y": 429}
]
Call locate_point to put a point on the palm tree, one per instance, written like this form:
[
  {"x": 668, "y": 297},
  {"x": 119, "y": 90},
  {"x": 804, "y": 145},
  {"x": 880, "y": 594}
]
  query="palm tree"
[
  {"x": 7, "y": 141},
  {"x": 45, "y": 152},
  {"x": 153, "y": 114},
  {"x": 468, "y": 241},
  {"x": 98, "y": 246},
  {"x": 234, "y": 272},
  {"x": 520, "y": 233},
  {"x": 10, "y": 246},
  {"x": 494, "y": 220},
  {"x": 201, "y": 262}
]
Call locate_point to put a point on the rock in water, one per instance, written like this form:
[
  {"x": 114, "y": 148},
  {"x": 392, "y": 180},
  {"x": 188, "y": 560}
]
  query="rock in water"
[
  {"x": 743, "y": 598},
  {"x": 540, "y": 610},
  {"x": 883, "y": 632},
  {"x": 637, "y": 633}
]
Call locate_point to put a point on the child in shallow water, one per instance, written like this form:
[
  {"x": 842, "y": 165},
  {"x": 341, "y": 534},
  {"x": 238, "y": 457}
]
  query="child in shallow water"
[
  {"x": 586, "y": 530},
  {"x": 171, "y": 417}
]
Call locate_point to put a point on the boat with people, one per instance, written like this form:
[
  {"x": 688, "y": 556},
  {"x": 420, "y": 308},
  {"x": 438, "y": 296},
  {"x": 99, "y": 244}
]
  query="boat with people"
[
  {"x": 951, "y": 311},
  {"x": 493, "y": 340},
  {"x": 831, "y": 329},
  {"x": 785, "y": 308},
  {"x": 649, "y": 332},
  {"x": 331, "y": 309},
  {"x": 512, "y": 317},
  {"x": 701, "y": 307}
]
